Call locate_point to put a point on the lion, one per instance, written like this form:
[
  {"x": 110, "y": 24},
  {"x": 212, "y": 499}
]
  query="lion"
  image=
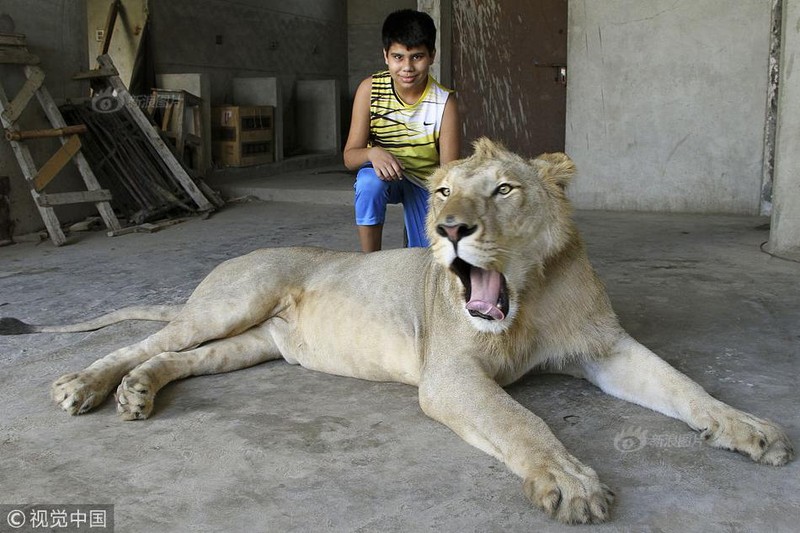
[{"x": 504, "y": 288}]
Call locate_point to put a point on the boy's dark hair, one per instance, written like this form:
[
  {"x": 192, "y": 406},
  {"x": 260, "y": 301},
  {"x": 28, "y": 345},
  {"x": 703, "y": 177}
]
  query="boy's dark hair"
[{"x": 410, "y": 28}]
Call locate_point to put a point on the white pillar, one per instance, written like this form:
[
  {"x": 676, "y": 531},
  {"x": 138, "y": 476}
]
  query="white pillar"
[
  {"x": 441, "y": 13},
  {"x": 784, "y": 237}
]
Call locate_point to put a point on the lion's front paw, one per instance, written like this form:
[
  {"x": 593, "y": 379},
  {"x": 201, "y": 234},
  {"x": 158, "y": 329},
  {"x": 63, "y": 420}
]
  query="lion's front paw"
[
  {"x": 78, "y": 392},
  {"x": 135, "y": 397},
  {"x": 570, "y": 492},
  {"x": 761, "y": 440}
]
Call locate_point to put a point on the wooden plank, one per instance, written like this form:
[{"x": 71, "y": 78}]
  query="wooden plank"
[
  {"x": 29, "y": 172},
  {"x": 180, "y": 141},
  {"x": 29, "y": 88},
  {"x": 67, "y": 198},
  {"x": 152, "y": 104},
  {"x": 148, "y": 227},
  {"x": 210, "y": 193},
  {"x": 56, "y": 162},
  {"x": 203, "y": 158},
  {"x": 111, "y": 21},
  {"x": 12, "y": 39},
  {"x": 94, "y": 74},
  {"x": 155, "y": 139},
  {"x": 168, "y": 108}
]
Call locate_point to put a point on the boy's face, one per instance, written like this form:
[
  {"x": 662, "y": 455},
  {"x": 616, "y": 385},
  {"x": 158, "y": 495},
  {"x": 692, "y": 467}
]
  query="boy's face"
[{"x": 408, "y": 66}]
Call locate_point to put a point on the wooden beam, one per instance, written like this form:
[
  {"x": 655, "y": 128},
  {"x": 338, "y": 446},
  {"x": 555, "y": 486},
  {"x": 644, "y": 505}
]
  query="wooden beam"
[
  {"x": 54, "y": 165},
  {"x": 111, "y": 21},
  {"x": 148, "y": 227},
  {"x": 94, "y": 74},
  {"x": 81, "y": 197},
  {"x": 12, "y": 39},
  {"x": 20, "y": 102}
]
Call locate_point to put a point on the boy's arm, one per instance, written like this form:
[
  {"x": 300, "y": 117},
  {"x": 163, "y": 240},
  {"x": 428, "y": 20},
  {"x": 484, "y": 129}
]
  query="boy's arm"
[
  {"x": 450, "y": 132},
  {"x": 356, "y": 152}
]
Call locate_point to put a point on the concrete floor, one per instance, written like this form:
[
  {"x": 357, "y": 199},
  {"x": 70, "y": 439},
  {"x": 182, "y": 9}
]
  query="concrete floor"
[{"x": 280, "y": 448}]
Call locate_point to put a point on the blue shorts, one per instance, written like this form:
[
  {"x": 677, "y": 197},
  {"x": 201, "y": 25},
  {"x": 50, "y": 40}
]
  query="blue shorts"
[{"x": 372, "y": 195}]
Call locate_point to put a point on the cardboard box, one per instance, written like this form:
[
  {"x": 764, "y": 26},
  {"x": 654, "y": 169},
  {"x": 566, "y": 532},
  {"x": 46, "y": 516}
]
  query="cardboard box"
[{"x": 243, "y": 135}]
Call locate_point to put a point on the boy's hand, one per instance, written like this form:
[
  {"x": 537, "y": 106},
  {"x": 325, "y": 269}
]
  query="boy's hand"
[{"x": 386, "y": 166}]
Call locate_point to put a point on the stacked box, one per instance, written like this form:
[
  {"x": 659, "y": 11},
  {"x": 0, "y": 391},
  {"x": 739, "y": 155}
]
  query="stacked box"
[{"x": 243, "y": 135}]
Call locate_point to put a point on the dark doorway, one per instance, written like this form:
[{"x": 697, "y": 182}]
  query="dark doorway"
[{"x": 509, "y": 71}]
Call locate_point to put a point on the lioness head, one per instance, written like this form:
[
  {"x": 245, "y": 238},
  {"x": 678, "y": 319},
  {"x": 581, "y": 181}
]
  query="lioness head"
[{"x": 494, "y": 220}]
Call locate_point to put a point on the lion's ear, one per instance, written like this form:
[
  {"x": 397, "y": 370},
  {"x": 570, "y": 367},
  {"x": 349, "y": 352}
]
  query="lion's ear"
[
  {"x": 556, "y": 168},
  {"x": 486, "y": 148}
]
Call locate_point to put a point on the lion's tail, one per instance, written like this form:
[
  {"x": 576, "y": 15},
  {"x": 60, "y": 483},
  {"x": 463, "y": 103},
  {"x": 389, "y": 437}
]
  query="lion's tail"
[{"x": 157, "y": 313}]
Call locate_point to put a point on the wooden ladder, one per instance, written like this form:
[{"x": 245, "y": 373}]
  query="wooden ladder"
[{"x": 13, "y": 50}]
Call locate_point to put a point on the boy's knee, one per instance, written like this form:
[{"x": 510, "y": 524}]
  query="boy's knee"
[{"x": 368, "y": 183}]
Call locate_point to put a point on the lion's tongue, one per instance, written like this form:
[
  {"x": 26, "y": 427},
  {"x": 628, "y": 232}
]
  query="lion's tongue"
[{"x": 485, "y": 292}]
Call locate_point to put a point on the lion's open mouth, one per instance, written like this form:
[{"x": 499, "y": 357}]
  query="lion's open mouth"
[{"x": 485, "y": 291}]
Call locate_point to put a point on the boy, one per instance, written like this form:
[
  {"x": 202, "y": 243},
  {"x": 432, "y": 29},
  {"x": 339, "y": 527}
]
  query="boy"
[{"x": 404, "y": 125}]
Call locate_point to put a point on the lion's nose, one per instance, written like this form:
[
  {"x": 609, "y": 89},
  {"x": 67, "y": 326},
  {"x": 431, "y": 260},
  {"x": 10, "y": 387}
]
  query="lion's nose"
[{"x": 455, "y": 232}]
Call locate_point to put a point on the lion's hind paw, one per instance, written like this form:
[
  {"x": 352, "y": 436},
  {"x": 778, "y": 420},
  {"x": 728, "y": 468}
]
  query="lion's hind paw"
[
  {"x": 77, "y": 392},
  {"x": 779, "y": 452},
  {"x": 135, "y": 397}
]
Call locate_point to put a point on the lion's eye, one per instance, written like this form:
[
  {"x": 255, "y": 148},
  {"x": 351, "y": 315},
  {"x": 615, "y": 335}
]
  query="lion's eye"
[
  {"x": 444, "y": 191},
  {"x": 504, "y": 189}
]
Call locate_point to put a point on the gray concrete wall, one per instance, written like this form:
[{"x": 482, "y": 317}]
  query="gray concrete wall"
[
  {"x": 259, "y": 38},
  {"x": 318, "y": 116},
  {"x": 666, "y": 104},
  {"x": 784, "y": 237},
  {"x": 55, "y": 31}
]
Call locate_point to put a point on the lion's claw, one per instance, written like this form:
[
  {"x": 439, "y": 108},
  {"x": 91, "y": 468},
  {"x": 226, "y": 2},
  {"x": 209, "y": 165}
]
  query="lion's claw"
[{"x": 577, "y": 498}]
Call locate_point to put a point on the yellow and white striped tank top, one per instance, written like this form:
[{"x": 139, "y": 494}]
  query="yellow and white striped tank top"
[{"x": 409, "y": 132}]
